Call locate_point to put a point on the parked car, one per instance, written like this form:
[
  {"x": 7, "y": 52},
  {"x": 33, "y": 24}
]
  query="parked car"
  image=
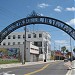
[
  {"x": 65, "y": 60},
  {"x": 71, "y": 59}
]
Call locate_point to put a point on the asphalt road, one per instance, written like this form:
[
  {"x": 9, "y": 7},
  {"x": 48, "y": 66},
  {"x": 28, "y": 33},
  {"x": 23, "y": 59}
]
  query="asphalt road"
[{"x": 56, "y": 68}]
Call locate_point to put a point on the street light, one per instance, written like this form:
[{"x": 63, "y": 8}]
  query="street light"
[{"x": 59, "y": 53}]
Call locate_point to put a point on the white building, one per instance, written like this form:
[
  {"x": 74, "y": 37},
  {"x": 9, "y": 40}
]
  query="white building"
[{"x": 41, "y": 39}]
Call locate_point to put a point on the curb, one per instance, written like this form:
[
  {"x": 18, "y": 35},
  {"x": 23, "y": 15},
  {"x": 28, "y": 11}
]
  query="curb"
[
  {"x": 67, "y": 64},
  {"x": 20, "y": 64},
  {"x": 71, "y": 68},
  {"x": 69, "y": 72}
]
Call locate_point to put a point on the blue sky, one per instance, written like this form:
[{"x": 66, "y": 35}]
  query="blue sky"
[{"x": 64, "y": 10}]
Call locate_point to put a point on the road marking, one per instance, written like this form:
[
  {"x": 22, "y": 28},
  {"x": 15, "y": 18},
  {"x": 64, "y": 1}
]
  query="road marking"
[
  {"x": 38, "y": 70},
  {"x": 4, "y": 73},
  {"x": 69, "y": 67},
  {"x": 69, "y": 72},
  {"x": 8, "y": 74}
]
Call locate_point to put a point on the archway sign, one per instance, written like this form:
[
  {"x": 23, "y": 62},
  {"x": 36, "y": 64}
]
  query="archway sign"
[{"x": 35, "y": 18}]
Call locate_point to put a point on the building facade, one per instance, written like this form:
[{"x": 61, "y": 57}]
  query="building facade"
[{"x": 41, "y": 39}]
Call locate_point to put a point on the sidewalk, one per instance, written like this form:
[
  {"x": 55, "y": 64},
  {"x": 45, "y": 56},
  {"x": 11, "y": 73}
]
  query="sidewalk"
[
  {"x": 73, "y": 68},
  {"x": 68, "y": 64},
  {"x": 20, "y": 64}
]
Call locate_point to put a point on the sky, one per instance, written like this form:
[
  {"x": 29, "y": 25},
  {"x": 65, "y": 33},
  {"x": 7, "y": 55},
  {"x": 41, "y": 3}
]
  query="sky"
[{"x": 63, "y": 10}]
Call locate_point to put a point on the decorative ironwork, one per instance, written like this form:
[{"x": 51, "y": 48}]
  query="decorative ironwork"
[
  {"x": 33, "y": 14},
  {"x": 35, "y": 19}
]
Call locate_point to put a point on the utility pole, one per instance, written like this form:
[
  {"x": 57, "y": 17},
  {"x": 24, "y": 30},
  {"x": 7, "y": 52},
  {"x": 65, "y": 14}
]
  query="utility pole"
[
  {"x": 59, "y": 50},
  {"x": 24, "y": 58},
  {"x": 71, "y": 49},
  {"x": 54, "y": 50}
]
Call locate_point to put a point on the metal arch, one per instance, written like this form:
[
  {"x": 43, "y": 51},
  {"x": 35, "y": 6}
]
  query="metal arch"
[{"x": 37, "y": 19}]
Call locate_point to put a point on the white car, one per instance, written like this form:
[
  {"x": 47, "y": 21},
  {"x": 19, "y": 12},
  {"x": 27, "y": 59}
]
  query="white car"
[{"x": 65, "y": 60}]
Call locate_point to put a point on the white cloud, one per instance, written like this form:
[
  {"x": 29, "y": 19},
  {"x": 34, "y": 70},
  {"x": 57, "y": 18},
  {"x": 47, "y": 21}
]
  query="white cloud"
[
  {"x": 70, "y": 9},
  {"x": 58, "y": 9},
  {"x": 71, "y": 22},
  {"x": 41, "y": 14},
  {"x": 67, "y": 46},
  {"x": 61, "y": 41},
  {"x": 43, "y": 5}
]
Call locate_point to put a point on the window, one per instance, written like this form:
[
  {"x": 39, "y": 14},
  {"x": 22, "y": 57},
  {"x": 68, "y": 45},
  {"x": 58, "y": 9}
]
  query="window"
[
  {"x": 23, "y": 42},
  {"x": 4, "y": 37},
  {"x": 8, "y": 43},
  {"x": 23, "y": 36},
  {"x": 39, "y": 44},
  {"x": 18, "y": 43},
  {"x": 36, "y": 43},
  {"x": 40, "y": 51},
  {"x": 9, "y": 37},
  {"x": 34, "y": 35},
  {"x": 13, "y": 43},
  {"x": 4, "y": 43},
  {"x": 40, "y": 35},
  {"x": 29, "y": 35},
  {"x": 19, "y": 36},
  {"x": 13, "y": 36}
]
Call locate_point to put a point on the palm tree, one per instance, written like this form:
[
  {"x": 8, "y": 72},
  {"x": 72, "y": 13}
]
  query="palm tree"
[
  {"x": 63, "y": 49},
  {"x": 67, "y": 51},
  {"x": 74, "y": 50}
]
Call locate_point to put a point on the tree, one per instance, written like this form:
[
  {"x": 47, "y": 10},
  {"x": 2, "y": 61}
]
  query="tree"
[
  {"x": 67, "y": 51},
  {"x": 63, "y": 49},
  {"x": 74, "y": 50}
]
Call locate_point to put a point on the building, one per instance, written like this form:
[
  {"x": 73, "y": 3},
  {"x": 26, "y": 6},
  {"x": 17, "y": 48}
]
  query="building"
[
  {"x": 41, "y": 39},
  {"x": 32, "y": 52},
  {"x": 58, "y": 55}
]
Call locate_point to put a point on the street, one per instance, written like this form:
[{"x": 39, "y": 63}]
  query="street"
[{"x": 55, "y": 68}]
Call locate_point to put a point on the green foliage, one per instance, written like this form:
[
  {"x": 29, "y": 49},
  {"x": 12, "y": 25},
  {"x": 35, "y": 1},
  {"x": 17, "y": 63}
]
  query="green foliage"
[
  {"x": 67, "y": 51},
  {"x": 63, "y": 49},
  {"x": 74, "y": 50},
  {"x": 3, "y": 50},
  {"x": 6, "y": 61}
]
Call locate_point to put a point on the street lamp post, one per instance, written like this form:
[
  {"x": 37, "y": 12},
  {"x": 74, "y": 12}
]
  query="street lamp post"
[{"x": 59, "y": 55}]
